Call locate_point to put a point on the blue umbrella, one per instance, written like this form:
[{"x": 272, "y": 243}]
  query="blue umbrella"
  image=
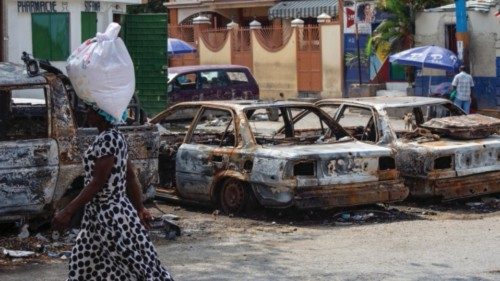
[
  {"x": 427, "y": 56},
  {"x": 177, "y": 46}
]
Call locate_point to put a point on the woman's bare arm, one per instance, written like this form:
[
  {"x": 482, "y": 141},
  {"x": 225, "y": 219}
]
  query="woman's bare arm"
[{"x": 133, "y": 187}]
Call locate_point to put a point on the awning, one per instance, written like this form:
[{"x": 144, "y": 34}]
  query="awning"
[{"x": 303, "y": 9}]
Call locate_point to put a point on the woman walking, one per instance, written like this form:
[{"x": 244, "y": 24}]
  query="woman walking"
[{"x": 113, "y": 243}]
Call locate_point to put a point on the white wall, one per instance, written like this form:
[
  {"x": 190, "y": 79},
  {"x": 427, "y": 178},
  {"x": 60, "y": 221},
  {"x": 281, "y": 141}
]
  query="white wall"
[
  {"x": 18, "y": 26},
  {"x": 484, "y": 30}
]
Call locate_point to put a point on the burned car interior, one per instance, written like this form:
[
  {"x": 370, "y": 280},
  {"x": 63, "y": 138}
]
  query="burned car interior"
[
  {"x": 285, "y": 125},
  {"x": 217, "y": 127},
  {"x": 361, "y": 122},
  {"x": 23, "y": 114}
]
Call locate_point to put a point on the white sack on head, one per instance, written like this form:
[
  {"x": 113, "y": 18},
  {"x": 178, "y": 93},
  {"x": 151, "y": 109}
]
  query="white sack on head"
[{"x": 102, "y": 72}]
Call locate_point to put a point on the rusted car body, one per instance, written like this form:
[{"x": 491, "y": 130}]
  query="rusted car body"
[
  {"x": 227, "y": 152},
  {"x": 42, "y": 143},
  {"x": 440, "y": 151}
]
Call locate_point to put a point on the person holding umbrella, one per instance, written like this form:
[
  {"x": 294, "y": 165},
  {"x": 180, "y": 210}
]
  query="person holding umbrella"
[{"x": 463, "y": 83}]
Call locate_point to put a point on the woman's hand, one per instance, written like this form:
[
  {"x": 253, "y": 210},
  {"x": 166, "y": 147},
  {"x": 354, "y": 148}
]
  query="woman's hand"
[
  {"x": 61, "y": 220},
  {"x": 145, "y": 217}
]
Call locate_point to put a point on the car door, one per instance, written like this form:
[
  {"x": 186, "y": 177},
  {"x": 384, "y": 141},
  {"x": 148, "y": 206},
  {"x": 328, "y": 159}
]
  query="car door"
[
  {"x": 205, "y": 152},
  {"x": 29, "y": 161}
]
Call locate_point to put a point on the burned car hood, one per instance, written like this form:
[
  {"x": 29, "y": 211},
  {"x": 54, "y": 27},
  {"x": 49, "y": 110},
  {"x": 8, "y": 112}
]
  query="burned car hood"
[
  {"x": 353, "y": 148},
  {"x": 474, "y": 126}
]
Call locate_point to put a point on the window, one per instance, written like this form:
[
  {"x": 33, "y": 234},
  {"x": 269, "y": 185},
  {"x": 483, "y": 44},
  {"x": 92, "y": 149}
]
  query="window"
[
  {"x": 25, "y": 116},
  {"x": 214, "y": 78},
  {"x": 237, "y": 77},
  {"x": 215, "y": 127},
  {"x": 89, "y": 25},
  {"x": 178, "y": 121},
  {"x": 50, "y": 36},
  {"x": 184, "y": 82},
  {"x": 283, "y": 125},
  {"x": 359, "y": 122},
  {"x": 330, "y": 109}
]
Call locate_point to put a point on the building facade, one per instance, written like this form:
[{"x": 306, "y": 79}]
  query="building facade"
[{"x": 52, "y": 29}]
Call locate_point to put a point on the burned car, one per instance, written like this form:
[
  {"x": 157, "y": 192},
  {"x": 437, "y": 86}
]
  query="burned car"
[
  {"x": 42, "y": 139},
  {"x": 441, "y": 152},
  {"x": 227, "y": 153}
]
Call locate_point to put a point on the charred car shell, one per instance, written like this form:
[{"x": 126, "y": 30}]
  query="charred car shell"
[
  {"x": 41, "y": 145},
  {"x": 439, "y": 150},
  {"x": 272, "y": 155}
]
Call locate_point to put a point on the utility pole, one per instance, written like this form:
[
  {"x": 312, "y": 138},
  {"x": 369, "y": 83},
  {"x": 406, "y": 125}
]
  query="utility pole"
[
  {"x": 462, "y": 34},
  {"x": 357, "y": 41}
]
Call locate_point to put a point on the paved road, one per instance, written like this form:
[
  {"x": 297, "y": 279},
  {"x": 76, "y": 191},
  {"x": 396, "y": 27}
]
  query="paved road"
[{"x": 447, "y": 249}]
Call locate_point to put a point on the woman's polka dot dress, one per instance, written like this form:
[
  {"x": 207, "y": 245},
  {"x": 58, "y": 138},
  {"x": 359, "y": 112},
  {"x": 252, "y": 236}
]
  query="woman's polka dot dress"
[{"x": 112, "y": 243}]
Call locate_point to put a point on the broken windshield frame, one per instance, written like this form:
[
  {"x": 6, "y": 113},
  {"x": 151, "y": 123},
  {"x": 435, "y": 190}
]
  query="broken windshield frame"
[{"x": 280, "y": 125}]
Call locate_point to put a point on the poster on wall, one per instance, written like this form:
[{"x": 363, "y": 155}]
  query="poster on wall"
[{"x": 364, "y": 14}]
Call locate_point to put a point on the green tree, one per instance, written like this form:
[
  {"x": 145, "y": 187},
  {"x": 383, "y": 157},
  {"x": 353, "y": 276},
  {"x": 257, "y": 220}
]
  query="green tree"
[
  {"x": 399, "y": 29},
  {"x": 152, "y": 6}
]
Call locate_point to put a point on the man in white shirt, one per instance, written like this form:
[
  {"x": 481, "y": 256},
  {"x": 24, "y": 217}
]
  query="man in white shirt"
[{"x": 463, "y": 84}]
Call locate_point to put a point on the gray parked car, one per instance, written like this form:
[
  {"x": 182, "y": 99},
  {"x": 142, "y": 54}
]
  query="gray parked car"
[
  {"x": 440, "y": 151},
  {"x": 227, "y": 153}
]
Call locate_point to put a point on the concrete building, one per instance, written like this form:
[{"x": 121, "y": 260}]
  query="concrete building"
[
  {"x": 437, "y": 27},
  {"x": 52, "y": 29}
]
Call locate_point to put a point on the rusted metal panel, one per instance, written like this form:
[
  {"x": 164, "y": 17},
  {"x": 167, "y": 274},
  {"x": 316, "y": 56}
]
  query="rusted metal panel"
[
  {"x": 28, "y": 174},
  {"x": 474, "y": 126},
  {"x": 455, "y": 187},
  {"x": 14, "y": 75},
  {"x": 351, "y": 194}
]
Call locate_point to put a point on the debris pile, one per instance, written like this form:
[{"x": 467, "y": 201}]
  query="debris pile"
[
  {"x": 165, "y": 227},
  {"x": 26, "y": 248},
  {"x": 369, "y": 216}
]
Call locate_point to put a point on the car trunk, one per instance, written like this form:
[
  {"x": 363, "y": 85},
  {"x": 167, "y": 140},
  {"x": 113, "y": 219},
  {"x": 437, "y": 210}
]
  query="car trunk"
[
  {"x": 323, "y": 164},
  {"x": 464, "y": 157}
]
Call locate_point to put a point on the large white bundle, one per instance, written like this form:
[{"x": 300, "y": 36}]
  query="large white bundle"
[{"x": 102, "y": 72}]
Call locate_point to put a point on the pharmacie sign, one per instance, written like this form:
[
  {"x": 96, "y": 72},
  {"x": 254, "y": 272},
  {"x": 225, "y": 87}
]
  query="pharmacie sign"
[{"x": 53, "y": 6}]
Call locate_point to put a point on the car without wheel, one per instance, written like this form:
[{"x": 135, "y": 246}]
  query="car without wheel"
[{"x": 440, "y": 151}]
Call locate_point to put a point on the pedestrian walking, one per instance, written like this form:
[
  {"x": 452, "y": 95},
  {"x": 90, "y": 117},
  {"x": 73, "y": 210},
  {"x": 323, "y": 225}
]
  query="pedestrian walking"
[
  {"x": 113, "y": 243},
  {"x": 463, "y": 84}
]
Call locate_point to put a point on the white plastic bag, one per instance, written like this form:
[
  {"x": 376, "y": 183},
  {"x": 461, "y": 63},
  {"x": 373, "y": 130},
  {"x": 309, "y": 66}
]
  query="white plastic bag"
[{"x": 102, "y": 72}]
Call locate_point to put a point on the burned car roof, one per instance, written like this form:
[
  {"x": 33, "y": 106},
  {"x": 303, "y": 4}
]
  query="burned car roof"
[
  {"x": 12, "y": 75},
  {"x": 388, "y": 102},
  {"x": 179, "y": 69},
  {"x": 248, "y": 104}
]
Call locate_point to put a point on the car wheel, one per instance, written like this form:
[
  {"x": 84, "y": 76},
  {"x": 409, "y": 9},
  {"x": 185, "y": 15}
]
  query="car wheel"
[{"x": 234, "y": 196}]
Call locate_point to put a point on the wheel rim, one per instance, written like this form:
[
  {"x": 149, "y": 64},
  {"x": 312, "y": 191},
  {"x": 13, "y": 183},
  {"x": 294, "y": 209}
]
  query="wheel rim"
[{"x": 233, "y": 196}]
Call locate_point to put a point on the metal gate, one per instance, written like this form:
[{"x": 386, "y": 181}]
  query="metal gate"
[
  {"x": 146, "y": 38},
  {"x": 309, "y": 72},
  {"x": 241, "y": 48}
]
